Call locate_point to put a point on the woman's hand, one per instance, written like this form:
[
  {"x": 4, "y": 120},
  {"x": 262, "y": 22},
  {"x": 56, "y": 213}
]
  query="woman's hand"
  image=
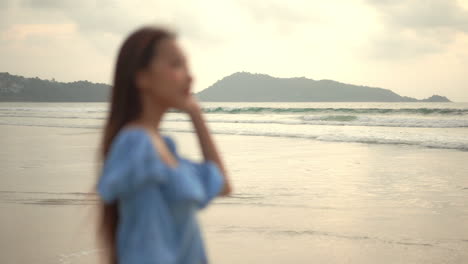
[{"x": 191, "y": 106}]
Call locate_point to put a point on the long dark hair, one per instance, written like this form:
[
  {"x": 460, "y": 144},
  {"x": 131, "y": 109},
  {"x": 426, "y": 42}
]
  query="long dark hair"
[{"x": 135, "y": 54}]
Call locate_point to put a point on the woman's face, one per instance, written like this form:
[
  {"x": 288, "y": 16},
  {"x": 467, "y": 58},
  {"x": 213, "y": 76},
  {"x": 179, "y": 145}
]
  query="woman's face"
[{"x": 167, "y": 80}]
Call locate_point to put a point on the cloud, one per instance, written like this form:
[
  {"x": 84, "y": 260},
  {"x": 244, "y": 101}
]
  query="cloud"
[
  {"x": 414, "y": 28},
  {"x": 423, "y": 14},
  {"x": 44, "y": 4},
  {"x": 105, "y": 23},
  {"x": 5, "y": 4},
  {"x": 20, "y": 32},
  {"x": 280, "y": 17}
]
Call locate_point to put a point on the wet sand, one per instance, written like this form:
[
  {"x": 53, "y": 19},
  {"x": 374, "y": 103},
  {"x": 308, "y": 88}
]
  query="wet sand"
[{"x": 295, "y": 200}]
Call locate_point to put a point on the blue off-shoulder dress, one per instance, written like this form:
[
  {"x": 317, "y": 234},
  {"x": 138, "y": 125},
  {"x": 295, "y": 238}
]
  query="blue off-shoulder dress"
[{"x": 157, "y": 203}]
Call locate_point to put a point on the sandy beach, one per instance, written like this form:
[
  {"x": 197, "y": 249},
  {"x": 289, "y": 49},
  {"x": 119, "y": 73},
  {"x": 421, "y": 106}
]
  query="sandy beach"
[{"x": 295, "y": 200}]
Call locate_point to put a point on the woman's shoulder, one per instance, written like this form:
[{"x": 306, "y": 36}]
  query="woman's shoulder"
[
  {"x": 132, "y": 136},
  {"x": 129, "y": 139}
]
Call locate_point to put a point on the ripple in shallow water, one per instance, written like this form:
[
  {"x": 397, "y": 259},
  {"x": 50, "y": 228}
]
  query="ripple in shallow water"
[{"x": 48, "y": 198}]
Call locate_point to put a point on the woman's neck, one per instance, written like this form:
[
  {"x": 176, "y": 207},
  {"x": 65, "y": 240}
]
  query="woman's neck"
[{"x": 151, "y": 115}]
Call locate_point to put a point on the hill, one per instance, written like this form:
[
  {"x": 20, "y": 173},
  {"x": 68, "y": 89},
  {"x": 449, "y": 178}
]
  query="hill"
[
  {"x": 18, "y": 88},
  {"x": 248, "y": 87}
]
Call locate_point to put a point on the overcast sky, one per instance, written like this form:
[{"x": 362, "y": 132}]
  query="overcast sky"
[{"x": 416, "y": 48}]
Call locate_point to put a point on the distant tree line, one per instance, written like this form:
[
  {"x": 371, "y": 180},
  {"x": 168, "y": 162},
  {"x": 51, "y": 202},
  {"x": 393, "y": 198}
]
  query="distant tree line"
[{"x": 19, "y": 88}]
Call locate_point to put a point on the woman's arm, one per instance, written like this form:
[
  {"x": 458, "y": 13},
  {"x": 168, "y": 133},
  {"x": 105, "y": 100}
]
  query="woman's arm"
[{"x": 207, "y": 145}]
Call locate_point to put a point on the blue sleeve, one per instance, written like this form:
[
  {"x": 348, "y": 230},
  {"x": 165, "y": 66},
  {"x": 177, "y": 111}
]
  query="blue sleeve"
[
  {"x": 207, "y": 172},
  {"x": 128, "y": 166},
  {"x": 211, "y": 179}
]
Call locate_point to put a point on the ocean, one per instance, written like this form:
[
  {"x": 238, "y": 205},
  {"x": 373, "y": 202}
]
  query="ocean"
[
  {"x": 313, "y": 182},
  {"x": 435, "y": 125}
]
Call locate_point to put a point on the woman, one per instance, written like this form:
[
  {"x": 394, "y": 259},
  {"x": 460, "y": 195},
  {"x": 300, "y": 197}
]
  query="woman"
[{"x": 150, "y": 193}]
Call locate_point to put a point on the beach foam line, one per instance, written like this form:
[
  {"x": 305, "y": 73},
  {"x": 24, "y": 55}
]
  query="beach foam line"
[
  {"x": 69, "y": 258},
  {"x": 366, "y": 139},
  {"x": 261, "y": 110},
  {"x": 60, "y": 109},
  {"x": 413, "y": 111},
  {"x": 334, "y": 120},
  {"x": 275, "y": 231},
  {"x": 328, "y": 120},
  {"x": 51, "y": 116},
  {"x": 49, "y": 198},
  {"x": 463, "y": 146}
]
